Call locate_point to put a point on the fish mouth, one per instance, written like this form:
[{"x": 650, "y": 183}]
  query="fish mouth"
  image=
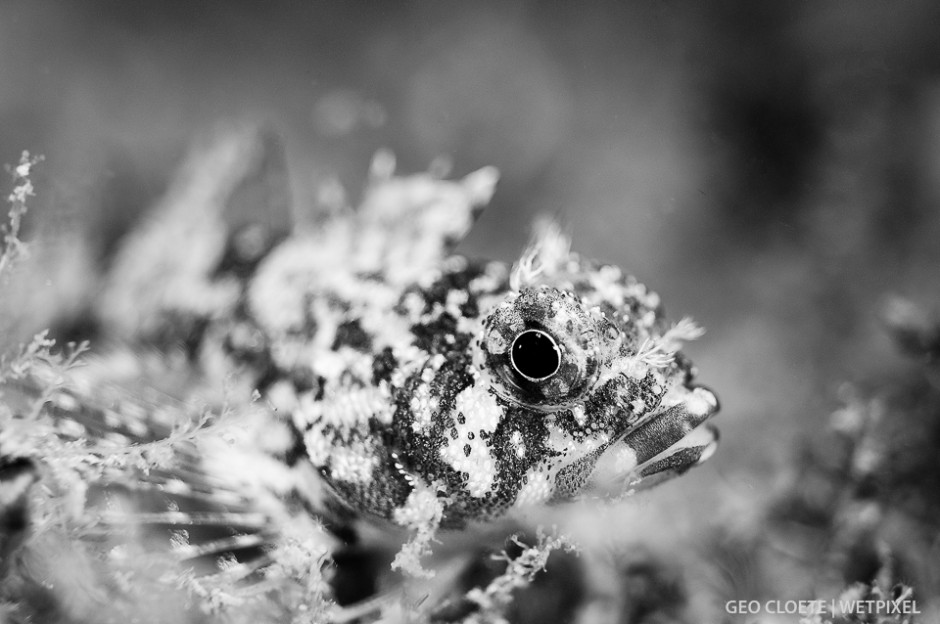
[{"x": 671, "y": 439}]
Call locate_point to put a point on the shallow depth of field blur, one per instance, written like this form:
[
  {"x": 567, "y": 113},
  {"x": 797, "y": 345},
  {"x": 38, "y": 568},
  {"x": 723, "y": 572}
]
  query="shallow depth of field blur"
[{"x": 771, "y": 169}]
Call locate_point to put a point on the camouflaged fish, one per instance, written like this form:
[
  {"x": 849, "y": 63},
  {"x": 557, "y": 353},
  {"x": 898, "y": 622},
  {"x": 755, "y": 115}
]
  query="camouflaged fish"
[
  {"x": 420, "y": 384},
  {"x": 374, "y": 377}
]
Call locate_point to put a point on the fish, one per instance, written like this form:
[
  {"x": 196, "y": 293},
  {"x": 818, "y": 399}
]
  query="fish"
[
  {"x": 408, "y": 385},
  {"x": 418, "y": 381}
]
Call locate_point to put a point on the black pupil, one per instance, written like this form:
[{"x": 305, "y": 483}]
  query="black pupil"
[{"x": 535, "y": 355}]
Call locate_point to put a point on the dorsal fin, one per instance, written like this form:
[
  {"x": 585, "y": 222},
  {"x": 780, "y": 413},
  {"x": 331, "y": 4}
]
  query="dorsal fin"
[
  {"x": 411, "y": 223},
  {"x": 230, "y": 195}
]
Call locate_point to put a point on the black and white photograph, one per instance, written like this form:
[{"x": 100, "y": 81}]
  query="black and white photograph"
[{"x": 439, "y": 312}]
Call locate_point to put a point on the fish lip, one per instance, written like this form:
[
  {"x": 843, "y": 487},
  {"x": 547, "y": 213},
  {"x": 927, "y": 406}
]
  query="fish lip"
[
  {"x": 715, "y": 400},
  {"x": 646, "y": 418},
  {"x": 714, "y": 406}
]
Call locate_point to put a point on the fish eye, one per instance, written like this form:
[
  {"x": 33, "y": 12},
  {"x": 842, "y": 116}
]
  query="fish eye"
[
  {"x": 542, "y": 348},
  {"x": 535, "y": 355}
]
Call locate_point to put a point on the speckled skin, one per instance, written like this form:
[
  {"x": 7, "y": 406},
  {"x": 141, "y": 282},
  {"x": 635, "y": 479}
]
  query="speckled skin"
[
  {"x": 389, "y": 357},
  {"x": 397, "y": 380}
]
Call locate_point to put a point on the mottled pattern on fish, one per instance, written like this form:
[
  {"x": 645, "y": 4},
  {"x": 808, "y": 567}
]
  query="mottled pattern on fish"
[{"x": 423, "y": 383}]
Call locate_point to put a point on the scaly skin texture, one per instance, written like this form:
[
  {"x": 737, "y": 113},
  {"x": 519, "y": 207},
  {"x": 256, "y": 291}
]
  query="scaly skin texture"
[{"x": 393, "y": 359}]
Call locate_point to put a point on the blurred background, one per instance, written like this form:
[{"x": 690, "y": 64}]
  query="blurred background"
[{"x": 771, "y": 169}]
